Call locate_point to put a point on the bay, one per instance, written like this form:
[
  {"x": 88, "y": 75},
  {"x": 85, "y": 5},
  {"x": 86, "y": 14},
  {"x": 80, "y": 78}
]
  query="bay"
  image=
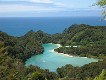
[{"x": 52, "y": 60}]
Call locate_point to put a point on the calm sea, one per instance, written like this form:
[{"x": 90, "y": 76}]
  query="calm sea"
[{"x": 19, "y": 26}]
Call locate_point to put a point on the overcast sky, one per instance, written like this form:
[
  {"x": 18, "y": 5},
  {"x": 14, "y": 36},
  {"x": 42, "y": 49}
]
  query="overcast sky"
[{"x": 48, "y": 8}]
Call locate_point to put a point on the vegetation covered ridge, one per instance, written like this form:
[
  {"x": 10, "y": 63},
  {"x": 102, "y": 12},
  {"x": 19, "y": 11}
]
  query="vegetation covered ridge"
[
  {"x": 13, "y": 53},
  {"x": 20, "y": 47},
  {"x": 89, "y": 41},
  {"x": 83, "y": 40}
]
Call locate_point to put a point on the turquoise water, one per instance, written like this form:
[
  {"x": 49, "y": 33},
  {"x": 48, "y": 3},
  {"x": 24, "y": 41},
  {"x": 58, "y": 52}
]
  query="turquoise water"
[{"x": 53, "y": 60}]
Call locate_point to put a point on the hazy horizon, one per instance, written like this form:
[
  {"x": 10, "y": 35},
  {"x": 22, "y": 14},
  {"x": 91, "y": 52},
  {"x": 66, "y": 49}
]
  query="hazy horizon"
[{"x": 48, "y": 8}]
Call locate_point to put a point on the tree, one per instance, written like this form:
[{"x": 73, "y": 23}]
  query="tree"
[
  {"x": 102, "y": 3},
  {"x": 37, "y": 76},
  {"x": 102, "y": 76}
]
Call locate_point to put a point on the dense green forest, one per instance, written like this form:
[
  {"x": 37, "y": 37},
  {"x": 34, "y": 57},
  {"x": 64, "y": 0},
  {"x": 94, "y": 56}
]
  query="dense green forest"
[
  {"x": 84, "y": 40},
  {"x": 14, "y": 51},
  {"x": 89, "y": 41}
]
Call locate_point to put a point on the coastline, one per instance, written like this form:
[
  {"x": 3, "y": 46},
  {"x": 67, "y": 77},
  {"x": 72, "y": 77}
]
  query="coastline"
[
  {"x": 60, "y": 53},
  {"x": 59, "y": 45}
]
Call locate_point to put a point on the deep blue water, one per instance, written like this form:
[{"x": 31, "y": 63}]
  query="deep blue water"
[{"x": 19, "y": 26}]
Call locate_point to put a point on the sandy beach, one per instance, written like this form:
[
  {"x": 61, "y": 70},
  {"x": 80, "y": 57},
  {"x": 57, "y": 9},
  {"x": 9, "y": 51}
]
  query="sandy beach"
[{"x": 60, "y": 53}]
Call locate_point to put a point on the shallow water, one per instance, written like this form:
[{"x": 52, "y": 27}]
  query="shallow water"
[{"x": 53, "y": 60}]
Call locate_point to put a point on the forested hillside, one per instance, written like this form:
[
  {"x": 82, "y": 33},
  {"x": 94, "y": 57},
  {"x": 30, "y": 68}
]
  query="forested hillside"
[
  {"x": 14, "y": 51},
  {"x": 89, "y": 41}
]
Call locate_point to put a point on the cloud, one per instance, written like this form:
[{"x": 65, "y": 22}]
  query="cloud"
[
  {"x": 40, "y": 6},
  {"x": 9, "y": 8},
  {"x": 39, "y": 1},
  {"x": 33, "y": 1}
]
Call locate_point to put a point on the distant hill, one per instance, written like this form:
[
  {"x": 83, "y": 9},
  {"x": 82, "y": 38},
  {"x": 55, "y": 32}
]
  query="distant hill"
[
  {"x": 84, "y": 34},
  {"x": 90, "y": 40}
]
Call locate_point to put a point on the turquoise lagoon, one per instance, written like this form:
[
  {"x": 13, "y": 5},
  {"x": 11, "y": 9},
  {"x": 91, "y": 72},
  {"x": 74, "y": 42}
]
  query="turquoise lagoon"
[{"x": 52, "y": 60}]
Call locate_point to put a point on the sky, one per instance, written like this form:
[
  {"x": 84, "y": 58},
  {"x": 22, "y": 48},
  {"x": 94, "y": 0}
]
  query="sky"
[{"x": 48, "y": 8}]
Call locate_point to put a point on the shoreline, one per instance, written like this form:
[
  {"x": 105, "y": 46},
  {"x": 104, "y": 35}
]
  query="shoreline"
[
  {"x": 59, "y": 45},
  {"x": 58, "y": 52}
]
